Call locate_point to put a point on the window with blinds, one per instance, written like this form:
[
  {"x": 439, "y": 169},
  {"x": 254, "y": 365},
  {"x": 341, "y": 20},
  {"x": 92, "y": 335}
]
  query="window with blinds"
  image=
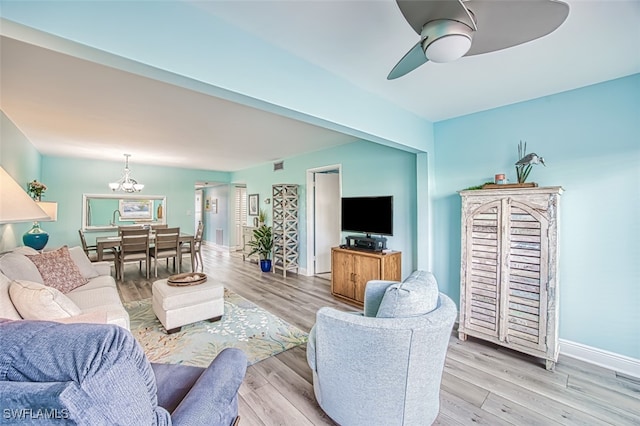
[{"x": 240, "y": 213}]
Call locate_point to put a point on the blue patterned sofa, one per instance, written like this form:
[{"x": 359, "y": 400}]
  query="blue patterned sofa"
[{"x": 97, "y": 374}]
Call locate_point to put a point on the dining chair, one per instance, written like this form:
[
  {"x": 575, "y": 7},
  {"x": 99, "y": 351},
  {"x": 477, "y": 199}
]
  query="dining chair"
[
  {"x": 166, "y": 245},
  {"x": 160, "y": 226},
  {"x": 130, "y": 228},
  {"x": 134, "y": 247},
  {"x": 197, "y": 245},
  {"x": 92, "y": 251},
  {"x": 185, "y": 248}
]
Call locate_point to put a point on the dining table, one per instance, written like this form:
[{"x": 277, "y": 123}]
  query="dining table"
[{"x": 103, "y": 243}]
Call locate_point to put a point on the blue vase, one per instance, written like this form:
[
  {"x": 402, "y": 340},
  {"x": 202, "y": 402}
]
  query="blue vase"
[
  {"x": 36, "y": 237},
  {"x": 265, "y": 265}
]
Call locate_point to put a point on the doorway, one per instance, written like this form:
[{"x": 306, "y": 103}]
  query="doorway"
[
  {"x": 323, "y": 221},
  {"x": 198, "y": 208}
]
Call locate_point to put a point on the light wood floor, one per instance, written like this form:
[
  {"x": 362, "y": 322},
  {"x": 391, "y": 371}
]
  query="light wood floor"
[{"x": 481, "y": 383}]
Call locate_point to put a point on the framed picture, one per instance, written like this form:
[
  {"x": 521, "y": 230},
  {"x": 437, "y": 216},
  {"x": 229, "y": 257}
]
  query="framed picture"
[
  {"x": 207, "y": 204},
  {"x": 214, "y": 205},
  {"x": 133, "y": 210},
  {"x": 253, "y": 204}
]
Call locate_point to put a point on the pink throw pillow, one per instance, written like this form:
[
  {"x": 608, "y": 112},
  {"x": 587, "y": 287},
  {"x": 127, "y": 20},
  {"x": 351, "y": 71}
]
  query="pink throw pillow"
[{"x": 58, "y": 270}]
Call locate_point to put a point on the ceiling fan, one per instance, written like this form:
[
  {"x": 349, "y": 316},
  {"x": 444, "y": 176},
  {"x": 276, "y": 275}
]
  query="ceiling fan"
[{"x": 451, "y": 29}]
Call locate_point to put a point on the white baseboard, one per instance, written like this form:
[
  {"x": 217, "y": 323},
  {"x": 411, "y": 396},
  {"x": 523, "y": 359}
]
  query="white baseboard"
[
  {"x": 300, "y": 271},
  {"x": 613, "y": 361}
]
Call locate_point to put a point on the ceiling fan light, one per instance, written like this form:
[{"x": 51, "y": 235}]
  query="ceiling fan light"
[
  {"x": 448, "y": 48},
  {"x": 445, "y": 40}
]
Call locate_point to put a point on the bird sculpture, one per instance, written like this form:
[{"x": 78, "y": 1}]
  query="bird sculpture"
[{"x": 530, "y": 159}]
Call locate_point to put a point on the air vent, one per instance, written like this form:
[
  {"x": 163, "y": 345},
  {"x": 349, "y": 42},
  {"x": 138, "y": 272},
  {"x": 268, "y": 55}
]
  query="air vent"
[{"x": 279, "y": 165}]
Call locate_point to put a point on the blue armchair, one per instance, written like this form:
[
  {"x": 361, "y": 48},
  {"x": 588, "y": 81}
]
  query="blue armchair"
[
  {"x": 95, "y": 374},
  {"x": 383, "y": 366}
]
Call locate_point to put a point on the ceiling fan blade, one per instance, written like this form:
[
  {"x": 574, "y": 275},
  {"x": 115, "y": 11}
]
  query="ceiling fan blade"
[
  {"x": 418, "y": 13},
  {"x": 503, "y": 24},
  {"x": 409, "y": 62}
]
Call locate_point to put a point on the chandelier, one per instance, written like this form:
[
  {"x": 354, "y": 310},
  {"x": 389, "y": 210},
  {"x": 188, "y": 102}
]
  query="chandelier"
[{"x": 126, "y": 182}]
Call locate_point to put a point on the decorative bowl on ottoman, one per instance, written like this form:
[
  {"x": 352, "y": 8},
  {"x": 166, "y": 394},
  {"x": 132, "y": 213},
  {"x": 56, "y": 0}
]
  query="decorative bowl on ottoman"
[
  {"x": 188, "y": 278},
  {"x": 178, "y": 305}
]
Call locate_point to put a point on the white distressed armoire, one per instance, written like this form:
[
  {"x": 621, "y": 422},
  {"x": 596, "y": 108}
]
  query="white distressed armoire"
[{"x": 509, "y": 269}]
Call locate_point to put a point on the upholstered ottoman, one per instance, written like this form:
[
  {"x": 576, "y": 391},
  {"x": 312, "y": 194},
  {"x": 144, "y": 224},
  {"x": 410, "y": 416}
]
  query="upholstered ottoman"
[{"x": 182, "y": 305}]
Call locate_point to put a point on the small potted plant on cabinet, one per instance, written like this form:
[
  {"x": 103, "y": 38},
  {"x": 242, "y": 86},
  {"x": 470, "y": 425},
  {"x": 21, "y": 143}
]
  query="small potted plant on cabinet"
[
  {"x": 262, "y": 244},
  {"x": 262, "y": 217}
]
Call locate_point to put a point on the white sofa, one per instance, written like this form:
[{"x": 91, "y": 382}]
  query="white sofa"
[{"x": 95, "y": 301}]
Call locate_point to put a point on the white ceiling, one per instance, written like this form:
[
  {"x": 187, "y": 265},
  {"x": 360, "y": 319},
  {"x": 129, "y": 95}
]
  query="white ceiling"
[{"x": 72, "y": 107}]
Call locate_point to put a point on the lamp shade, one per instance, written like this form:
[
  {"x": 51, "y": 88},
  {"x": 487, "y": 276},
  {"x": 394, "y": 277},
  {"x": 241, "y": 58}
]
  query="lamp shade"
[
  {"x": 15, "y": 204},
  {"x": 50, "y": 208}
]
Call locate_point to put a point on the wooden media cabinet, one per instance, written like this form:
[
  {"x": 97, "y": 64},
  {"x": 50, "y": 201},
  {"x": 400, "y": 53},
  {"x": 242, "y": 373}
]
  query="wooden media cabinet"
[{"x": 351, "y": 269}]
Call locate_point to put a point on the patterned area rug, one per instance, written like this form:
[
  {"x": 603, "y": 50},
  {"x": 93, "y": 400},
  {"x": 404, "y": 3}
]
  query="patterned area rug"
[{"x": 244, "y": 325}]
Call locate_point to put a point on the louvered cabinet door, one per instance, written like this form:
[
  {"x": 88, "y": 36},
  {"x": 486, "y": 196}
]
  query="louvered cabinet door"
[
  {"x": 525, "y": 300},
  {"x": 480, "y": 294},
  {"x": 508, "y": 274}
]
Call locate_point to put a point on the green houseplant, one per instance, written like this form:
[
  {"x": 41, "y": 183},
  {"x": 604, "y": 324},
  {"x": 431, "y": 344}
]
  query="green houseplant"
[{"x": 262, "y": 244}]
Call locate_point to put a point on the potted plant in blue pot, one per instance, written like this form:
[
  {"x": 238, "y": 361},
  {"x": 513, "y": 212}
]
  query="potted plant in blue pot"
[{"x": 262, "y": 244}]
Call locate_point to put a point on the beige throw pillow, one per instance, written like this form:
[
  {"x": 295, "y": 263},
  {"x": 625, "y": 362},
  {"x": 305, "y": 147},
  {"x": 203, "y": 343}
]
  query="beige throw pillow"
[
  {"x": 24, "y": 250},
  {"x": 7, "y": 310},
  {"x": 39, "y": 302},
  {"x": 58, "y": 270},
  {"x": 18, "y": 267},
  {"x": 83, "y": 263}
]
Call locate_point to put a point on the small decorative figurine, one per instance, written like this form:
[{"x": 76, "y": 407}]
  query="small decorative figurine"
[{"x": 526, "y": 162}]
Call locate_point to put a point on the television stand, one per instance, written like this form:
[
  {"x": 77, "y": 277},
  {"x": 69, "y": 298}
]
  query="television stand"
[
  {"x": 352, "y": 269},
  {"x": 366, "y": 243}
]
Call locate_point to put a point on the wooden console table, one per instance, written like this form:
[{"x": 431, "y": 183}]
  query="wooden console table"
[{"x": 351, "y": 269}]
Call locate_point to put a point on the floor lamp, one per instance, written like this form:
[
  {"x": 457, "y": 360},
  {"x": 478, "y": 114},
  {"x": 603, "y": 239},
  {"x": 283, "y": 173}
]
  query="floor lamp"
[{"x": 15, "y": 204}]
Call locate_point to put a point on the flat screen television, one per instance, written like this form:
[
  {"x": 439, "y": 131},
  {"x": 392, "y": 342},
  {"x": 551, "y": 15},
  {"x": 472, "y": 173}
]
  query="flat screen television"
[{"x": 368, "y": 215}]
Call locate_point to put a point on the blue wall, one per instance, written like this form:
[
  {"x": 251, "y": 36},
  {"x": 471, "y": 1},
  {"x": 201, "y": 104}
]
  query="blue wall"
[
  {"x": 23, "y": 163},
  {"x": 367, "y": 169},
  {"x": 68, "y": 178},
  {"x": 589, "y": 138}
]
